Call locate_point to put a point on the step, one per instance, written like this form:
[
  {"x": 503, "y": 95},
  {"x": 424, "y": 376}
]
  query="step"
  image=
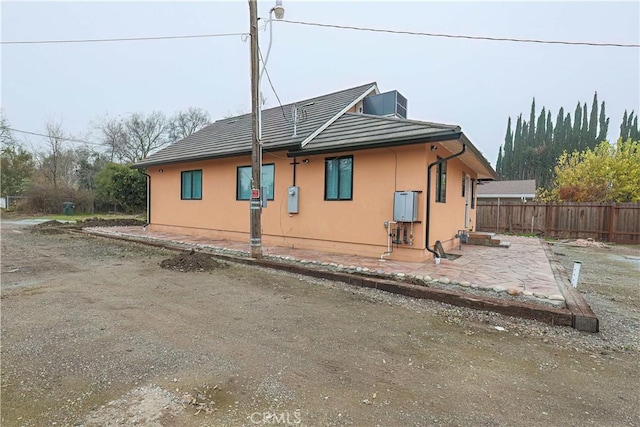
[{"x": 481, "y": 235}]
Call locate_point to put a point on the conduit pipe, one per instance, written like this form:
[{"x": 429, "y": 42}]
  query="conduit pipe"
[
  {"x": 388, "y": 225},
  {"x": 428, "y": 225}
]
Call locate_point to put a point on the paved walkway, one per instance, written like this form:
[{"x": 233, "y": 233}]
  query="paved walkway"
[{"x": 522, "y": 270}]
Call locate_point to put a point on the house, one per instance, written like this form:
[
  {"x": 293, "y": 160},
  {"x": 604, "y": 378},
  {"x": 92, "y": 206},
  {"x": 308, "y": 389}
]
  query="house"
[
  {"x": 344, "y": 172},
  {"x": 507, "y": 191}
]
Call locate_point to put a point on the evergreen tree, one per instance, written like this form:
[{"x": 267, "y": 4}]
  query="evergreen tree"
[
  {"x": 507, "y": 157},
  {"x": 568, "y": 134},
  {"x": 514, "y": 161},
  {"x": 624, "y": 127},
  {"x": 604, "y": 125},
  {"x": 541, "y": 128},
  {"x": 558, "y": 132},
  {"x": 531, "y": 136},
  {"x": 531, "y": 150},
  {"x": 523, "y": 157},
  {"x": 585, "y": 141},
  {"x": 593, "y": 122},
  {"x": 577, "y": 124},
  {"x": 634, "y": 132},
  {"x": 548, "y": 137}
]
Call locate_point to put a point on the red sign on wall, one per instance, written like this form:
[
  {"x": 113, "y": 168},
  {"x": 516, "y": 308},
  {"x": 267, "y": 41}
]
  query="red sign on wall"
[{"x": 255, "y": 193}]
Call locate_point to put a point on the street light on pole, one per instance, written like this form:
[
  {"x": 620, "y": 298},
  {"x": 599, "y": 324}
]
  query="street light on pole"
[{"x": 256, "y": 124}]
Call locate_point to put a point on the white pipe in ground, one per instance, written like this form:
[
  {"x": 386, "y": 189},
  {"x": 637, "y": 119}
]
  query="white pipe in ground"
[{"x": 576, "y": 273}]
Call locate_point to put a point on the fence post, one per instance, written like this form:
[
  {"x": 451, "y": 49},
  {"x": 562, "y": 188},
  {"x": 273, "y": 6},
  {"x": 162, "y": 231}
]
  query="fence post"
[{"x": 612, "y": 214}]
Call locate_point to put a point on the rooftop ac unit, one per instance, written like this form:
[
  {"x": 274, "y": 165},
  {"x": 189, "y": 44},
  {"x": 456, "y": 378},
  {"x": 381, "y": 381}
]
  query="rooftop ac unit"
[{"x": 389, "y": 104}]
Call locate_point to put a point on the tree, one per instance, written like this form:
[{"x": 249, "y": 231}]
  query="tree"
[
  {"x": 499, "y": 162},
  {"x": 185, "y": 123},
  {"x": 122, "y": 187},
  {"x": 593, "y": 122},
  {"x": 134, "y": 138},
  {"x": 138, "y": 135},
  {"x": 624, "y": 126},
  {"x": 604, "y": 125},
  {"x": 16, "y": 170},
  {"x": 607, "y": 173},
  {"x": 89, "y": 164},
  {"x": 57, "y": 164},
  {"x": 6, "y": 136}
]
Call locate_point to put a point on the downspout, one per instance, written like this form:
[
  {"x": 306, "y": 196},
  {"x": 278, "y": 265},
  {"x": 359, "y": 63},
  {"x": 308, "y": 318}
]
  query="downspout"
[
  {"x": 428, "y": 225},
  {"x": 148, "y": 198}
]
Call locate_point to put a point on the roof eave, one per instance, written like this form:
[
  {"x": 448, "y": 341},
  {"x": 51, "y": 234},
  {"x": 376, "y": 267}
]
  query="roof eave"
[
  {"x": 388, "y": 142},
  {"x": 243, "y": 152}
]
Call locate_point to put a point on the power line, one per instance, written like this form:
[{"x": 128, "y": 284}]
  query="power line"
[
  {"x": 124, "y": 39},
  {"x": 52, "y": 136},
  {"x": 460, "y": 36},
  {"x": 272, "y": 88},
  {"x": 336, "y": 26}
]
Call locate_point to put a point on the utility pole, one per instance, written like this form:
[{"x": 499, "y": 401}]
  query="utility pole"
[{"x": 256, "y": 152}]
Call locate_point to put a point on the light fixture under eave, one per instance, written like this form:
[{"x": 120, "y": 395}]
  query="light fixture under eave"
[{"x": 278, "y": 9}]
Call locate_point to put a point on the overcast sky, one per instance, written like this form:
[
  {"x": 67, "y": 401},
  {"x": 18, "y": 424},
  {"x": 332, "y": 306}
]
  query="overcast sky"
[{"x": 475, "y": 84}]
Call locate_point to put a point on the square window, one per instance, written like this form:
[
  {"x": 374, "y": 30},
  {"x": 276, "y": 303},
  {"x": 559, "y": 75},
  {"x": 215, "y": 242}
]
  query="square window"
[
  {"x": 338, "y": 178},
  {"x": 191, "y": 185},
  {"x": 243, "y": 181}
]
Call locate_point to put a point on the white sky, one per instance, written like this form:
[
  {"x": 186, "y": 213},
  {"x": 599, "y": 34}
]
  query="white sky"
[{"x": 475, "y": 84}]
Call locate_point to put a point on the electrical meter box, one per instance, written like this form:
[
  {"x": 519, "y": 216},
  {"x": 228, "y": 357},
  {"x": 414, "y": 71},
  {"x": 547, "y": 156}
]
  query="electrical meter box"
[
  {"x": 293, "y": 199},
  {"x": 405, "y": 206}
]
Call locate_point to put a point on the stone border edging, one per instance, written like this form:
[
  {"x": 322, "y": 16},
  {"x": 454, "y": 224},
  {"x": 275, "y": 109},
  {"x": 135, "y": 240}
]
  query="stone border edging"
[{"x": 550, "y": 315}]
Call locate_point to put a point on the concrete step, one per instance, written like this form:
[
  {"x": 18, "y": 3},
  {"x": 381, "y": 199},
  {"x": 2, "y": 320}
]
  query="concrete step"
[{"x": 486, "y": 239}]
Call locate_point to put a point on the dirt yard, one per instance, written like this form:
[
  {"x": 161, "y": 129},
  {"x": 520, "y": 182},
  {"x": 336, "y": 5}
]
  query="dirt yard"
[{"x": 95, "y": 333}]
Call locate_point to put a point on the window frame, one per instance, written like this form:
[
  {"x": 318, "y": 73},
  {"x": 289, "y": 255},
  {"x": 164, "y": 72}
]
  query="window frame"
[
  {"x": 473, "y": 193},
  {"x": 441, "y": 174},
  {"x": 326, "y": 176},
  {"x": 182, "y": 192},
  {"x": 273, "y": 190},
  {"x": 464, "y": 184}
]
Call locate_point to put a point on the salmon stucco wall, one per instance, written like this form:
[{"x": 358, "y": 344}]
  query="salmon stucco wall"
[{"x": 347, "y": 226}]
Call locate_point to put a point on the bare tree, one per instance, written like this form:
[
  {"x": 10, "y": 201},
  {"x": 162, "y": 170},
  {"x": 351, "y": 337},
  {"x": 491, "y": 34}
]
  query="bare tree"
[
  {"x": 114, "y": 137},
  {"x": 49, "y": 161},
  {"x": 186, "y": 122},
  {"x": 134, "y": 138},
  {"x": 56, "y": 165}
]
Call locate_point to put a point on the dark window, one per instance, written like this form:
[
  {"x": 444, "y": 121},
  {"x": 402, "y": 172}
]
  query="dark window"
[
  {"x": 473, "y": 193},
  {"x": 464, "y": 184},
  {"x": 243, "y": 181},
  {"x": 191, "y": 186},
  {"x": 338, "y": 178},
  {"x": 441, "y": 183}
]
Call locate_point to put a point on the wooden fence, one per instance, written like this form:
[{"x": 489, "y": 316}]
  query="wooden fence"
[{"x": 616, "y": 222}]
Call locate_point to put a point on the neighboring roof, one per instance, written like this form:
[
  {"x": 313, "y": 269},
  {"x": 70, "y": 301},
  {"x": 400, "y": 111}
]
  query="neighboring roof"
[
  {"x": 524, "y": 188},
  {"x": 328, "y": 127},
  {"x": 232, "y": 136}
]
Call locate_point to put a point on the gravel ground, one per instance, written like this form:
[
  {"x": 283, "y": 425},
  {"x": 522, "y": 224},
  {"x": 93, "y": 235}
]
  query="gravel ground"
[{"x": 94, "y": 332}]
